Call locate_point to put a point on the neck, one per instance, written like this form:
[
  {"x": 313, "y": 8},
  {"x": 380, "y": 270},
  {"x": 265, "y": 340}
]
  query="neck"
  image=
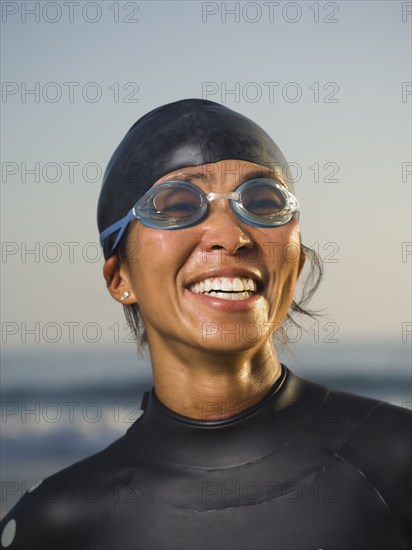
[{"x": 212, "y": 385}]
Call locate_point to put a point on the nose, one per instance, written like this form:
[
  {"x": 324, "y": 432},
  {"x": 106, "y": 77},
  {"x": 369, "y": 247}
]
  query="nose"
[{"x": 223, "y": 230}]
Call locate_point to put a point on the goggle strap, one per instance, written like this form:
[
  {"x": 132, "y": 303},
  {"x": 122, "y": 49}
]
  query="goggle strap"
[{"x": 120, "y": 226}]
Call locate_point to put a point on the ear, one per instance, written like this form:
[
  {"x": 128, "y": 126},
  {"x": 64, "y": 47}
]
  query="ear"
[{"x": 117, "y": 281}]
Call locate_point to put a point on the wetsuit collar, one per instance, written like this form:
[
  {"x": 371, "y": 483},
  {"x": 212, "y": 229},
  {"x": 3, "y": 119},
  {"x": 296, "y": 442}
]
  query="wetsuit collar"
[
  {"x": 248, "y": 414},
  {"x": 240, "y": 439}
]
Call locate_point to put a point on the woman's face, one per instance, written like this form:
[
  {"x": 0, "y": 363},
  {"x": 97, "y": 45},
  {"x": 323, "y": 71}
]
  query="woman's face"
[{"x": 169, "y": 272}]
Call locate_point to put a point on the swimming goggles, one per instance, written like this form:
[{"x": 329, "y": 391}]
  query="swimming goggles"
[{"x": 260, "y": 202}]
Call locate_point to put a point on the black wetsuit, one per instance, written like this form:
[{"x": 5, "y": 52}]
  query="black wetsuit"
[{"x": 306, "y": 468}]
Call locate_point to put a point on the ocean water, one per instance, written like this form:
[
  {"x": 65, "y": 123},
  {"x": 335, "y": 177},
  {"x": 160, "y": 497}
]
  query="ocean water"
[{"x": 58, "y": 408}]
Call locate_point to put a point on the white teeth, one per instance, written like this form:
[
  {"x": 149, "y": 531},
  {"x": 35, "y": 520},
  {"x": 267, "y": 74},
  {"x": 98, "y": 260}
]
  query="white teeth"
[
  {"x": 228, "y": 288},
  {"x": 216, "y": 284},
  {"x": 238, "y": 286},
  {"x": 227, "y": 285}
]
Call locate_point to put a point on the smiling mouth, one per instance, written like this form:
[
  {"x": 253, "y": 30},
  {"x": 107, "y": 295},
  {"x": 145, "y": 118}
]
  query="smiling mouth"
[{"x": 226, "y": 288}]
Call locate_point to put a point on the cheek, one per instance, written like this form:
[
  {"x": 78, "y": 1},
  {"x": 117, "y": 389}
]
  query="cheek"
[
  {"x": 282, "y": 249},
  {"x": 290, "y": 259},
  {"x": 291, "y": 252},
  {"x": 156, "y": 256},
  {"x": 284, "y": 267}
]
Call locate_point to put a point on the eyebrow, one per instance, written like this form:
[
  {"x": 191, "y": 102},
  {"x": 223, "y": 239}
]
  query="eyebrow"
[
  {"x": 189, "y": 176},
  {"x": 263, "y": 172}
]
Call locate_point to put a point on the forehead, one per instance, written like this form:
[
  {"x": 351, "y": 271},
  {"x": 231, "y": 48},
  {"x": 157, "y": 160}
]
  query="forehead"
[{"x": 225, "y": 170}]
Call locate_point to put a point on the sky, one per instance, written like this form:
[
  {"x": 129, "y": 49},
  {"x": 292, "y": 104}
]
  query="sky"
[{"x": 329, "y": 81}]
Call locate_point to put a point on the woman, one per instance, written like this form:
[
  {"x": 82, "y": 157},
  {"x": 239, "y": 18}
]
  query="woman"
[{"x": 233, "y": 451}]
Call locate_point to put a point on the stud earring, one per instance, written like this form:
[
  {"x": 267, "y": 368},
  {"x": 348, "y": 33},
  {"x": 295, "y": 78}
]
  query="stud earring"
[{"x": 126, "y": 294}]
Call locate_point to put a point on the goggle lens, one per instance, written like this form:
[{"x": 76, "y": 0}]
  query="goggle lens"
[
  {"x": 263, "y": 200},
  {"x": 176, "y": 203}
]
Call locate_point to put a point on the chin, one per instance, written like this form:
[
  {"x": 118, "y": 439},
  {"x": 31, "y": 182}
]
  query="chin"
[{"x": 229, "y": 342}]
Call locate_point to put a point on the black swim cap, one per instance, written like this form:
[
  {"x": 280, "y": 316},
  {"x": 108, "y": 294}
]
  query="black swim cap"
[{"x": 190, "y": 132}]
